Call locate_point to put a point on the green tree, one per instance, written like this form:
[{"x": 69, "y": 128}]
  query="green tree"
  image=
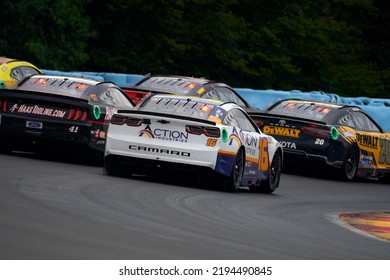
[{"x": 49, "y": 33}]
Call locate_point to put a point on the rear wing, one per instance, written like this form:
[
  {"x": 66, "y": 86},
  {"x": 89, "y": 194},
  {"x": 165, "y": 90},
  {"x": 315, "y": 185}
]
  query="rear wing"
[{"x": 258, "y": 116}]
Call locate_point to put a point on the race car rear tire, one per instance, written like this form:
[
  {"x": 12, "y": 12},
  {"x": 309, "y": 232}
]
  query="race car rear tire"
[
  {"x": 112, "y": 168},
  {"x": 272, "y": 182},
  {"x": 234, "y": 181},
  {"x": 350, "y": 164}
]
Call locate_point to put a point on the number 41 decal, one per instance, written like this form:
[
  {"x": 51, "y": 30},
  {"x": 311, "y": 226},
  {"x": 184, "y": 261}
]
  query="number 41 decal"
[{"x": 73, "y": 129}]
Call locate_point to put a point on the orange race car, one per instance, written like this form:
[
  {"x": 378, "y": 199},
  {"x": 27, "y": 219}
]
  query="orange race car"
[{"x": 12, "y": 71}]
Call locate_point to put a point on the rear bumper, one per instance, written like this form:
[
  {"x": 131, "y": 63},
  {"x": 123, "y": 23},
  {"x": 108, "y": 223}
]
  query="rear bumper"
[
  {"x": 138, "y": 165},
  {"x": 291, "y": 156},
  {"x": 63, "y": 135}
]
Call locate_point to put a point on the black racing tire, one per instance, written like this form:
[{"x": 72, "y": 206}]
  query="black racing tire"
[
  {"x": 350, "y": 164},
  {"x": 234, "y": 181},
  {"x": 272, "y": 182},
  {"x": 112, "y": 168}
]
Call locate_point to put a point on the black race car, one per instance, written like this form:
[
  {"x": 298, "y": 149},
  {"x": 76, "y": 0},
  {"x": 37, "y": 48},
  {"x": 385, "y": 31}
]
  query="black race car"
[
  {"x": 56, "y": 111},
  {"x": 339, "y": 136},
  {"x": 190, "y": 86}
]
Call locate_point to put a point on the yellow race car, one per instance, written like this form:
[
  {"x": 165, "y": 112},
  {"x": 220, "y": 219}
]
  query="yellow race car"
[{"x": 13, "y": 71}]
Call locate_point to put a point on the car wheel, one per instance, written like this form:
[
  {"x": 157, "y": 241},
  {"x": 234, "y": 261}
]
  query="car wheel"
[
  {"x": 350, "y": 164},
  {"x": 112, "y": 168},
  {"x": 272, "y": 182},
  {"x": 234, "y": 181}
]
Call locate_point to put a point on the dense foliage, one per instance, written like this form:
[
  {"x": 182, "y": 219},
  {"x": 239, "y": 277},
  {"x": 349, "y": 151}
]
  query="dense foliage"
[{"x": 338, "y": 46}]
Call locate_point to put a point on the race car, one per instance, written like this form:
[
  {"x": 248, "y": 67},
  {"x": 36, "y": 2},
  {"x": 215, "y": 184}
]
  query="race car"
[
  {"x": 189, "y": 86},
  {"x": 58, "y": 111},
  {"x": 12, "y": 71},
  {"x": 214, "y": 139},
  {"x": 342, "y": 137}
]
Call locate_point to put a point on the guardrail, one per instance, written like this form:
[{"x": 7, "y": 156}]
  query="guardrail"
[{"x": 377, "y": 108}]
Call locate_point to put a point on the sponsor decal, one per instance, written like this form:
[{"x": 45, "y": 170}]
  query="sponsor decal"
[
  {"x": 234, "y": 137},
  {"x": 109, "y": 113},
  {"x": 98, "y": 133},
  {"x": 243, "y": 137},
  {"x": 159, "y": 151},
  {"x": 367, "y": 159},
  {"x": 33, "y": 124},
  {"x": 288, "y": 145},
  {"x": 348, "y": 134},
  {"x": 282, "y": 131},
  {"x": 384, "y": 153},
  {"x": 370, "y": 141},
  {"x": 37, "y": 110},
  {"x": 164, "y": 134}
]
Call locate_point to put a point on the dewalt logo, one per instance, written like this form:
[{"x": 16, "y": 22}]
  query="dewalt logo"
[{"x": 282, "y": 131}]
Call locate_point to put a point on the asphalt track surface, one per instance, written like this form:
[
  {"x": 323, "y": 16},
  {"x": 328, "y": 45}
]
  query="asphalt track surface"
[{"x": 52, "y": 209}]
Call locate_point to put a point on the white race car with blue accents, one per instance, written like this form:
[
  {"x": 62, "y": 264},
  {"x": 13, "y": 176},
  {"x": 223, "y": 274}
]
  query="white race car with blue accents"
[{"x": 209, "y": 137}]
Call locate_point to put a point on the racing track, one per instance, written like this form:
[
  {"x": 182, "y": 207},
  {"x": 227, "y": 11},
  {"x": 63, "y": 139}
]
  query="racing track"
[{"x": 67, "y": 210}]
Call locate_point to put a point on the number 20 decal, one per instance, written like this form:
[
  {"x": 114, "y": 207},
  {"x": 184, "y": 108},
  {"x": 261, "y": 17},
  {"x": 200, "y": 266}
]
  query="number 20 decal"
[
  {"x": 319, "y": 141},
  {"x": 264, "y": 157}
]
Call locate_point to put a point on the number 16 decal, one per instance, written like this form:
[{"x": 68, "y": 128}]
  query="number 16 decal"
[{"x": 264, "y": 157}]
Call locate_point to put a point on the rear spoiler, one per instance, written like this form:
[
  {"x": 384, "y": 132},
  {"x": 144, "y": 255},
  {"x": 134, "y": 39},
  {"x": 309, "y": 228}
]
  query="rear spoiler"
[
  {"x": 255, "y": 115},
  {"x": 37, "y": 95},
  {"x": 166, "y": 116}
]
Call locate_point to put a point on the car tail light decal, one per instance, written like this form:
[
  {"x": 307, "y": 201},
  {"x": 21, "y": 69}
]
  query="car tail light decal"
[
  {"x": 133, "y": 122},
  {"x": 120, "y": 120},
  {"x": 71, "y": 113},
  {"x": 317, "y": 131},
  {"x": 259, "y": 123},
  {"x": 194, "y": 129},
  {"x": 207, "y": 131},
  {"x": 212, "y": 132},
  {"x": 3, "y": 104},
  {"x": 77, "y": 114},
  {"x": 136, "y": 96}
]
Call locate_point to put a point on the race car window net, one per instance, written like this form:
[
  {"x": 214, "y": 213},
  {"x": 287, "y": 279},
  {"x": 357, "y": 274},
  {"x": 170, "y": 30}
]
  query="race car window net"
[
  {"x": 184, "y": 107},
  {"x": 176, "y": 85},
  {"x": 303, "y": 109}
]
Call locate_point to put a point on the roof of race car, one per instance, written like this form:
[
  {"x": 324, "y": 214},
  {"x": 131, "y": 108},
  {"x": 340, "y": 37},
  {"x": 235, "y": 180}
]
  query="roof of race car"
[
  {"x": 182, "y": 105},
  {"x": 6, "y": 59},
  {"x": 71, "y": 86},
  {"x": 306, "y": 108},
  {"x": 172, "y": 84}
]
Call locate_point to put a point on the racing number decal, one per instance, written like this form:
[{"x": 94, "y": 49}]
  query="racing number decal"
[
  {"x": 264, "y": 157},
  {"x": 384, "y": 154},
  {"x": 73, "y": 129},
  {"x": 211, "y": 142}
]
